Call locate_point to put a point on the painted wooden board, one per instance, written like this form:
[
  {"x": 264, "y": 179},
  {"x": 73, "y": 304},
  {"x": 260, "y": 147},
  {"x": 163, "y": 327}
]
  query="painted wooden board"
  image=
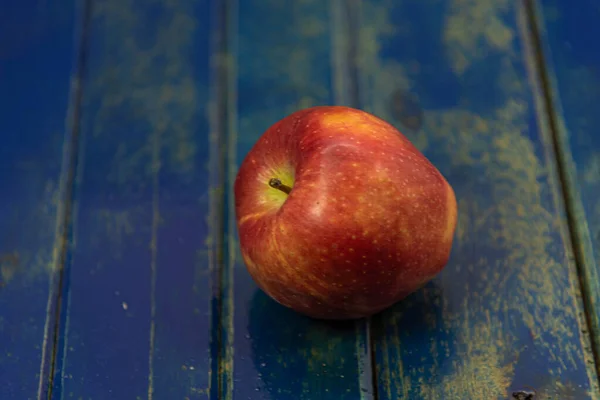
[
  {"x": 138, "y": 310},
  {"x": 38, "y": 63},
  {"x": 458, "y": 78},
  {"x": 282, "y": 58},
  {"x": 574, "y": 66}
]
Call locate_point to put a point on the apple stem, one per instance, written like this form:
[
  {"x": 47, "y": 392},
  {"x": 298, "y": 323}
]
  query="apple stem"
[{"x": 277, "y": 184}]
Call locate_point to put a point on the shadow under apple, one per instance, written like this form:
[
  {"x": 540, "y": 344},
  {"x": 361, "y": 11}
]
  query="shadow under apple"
[
  {"x": 295, "y": 354},
  {"x": 410, "y": 336}
]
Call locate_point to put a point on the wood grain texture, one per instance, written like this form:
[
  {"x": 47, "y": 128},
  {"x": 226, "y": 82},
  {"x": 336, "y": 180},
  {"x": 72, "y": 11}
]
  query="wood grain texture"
[
  {"x": 458, "y": 78},
  {"x": 283, "y": 61},
  {"x": 138, "y": 304},
  {"x": 38, "y": 65},
  {"x": 573, "y": 63}
]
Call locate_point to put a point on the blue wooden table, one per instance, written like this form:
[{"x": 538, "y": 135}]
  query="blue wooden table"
[{"x": 122, "y": 126}]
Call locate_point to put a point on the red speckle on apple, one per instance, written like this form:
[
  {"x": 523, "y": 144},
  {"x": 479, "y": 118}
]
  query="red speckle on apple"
[{"x": 339, "y": 215}]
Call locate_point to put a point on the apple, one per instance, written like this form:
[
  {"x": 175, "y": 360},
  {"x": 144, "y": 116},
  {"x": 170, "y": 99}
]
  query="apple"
[{"x": 339, "y": 215}]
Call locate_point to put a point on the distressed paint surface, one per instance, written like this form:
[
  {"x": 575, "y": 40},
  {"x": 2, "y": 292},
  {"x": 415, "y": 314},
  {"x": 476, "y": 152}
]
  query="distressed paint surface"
[
  {"x": 38, "y": 48},
  {"x": 574, "y": 64},
  {"x": 282, "y": 64},
  {"x": 506, "y": 313},
  {"x": 137, "y": 303},
  {"x": 138, "y": 300}
]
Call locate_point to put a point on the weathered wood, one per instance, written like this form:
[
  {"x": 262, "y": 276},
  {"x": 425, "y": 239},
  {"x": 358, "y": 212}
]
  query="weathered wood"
[
  {"x": 459, "y": 78},
  {"x": 573, "y": 64},
  {"x": 283, "y": 58},
  {"x": 38, "y": 64},
  {"x": 138, "y": 311}
]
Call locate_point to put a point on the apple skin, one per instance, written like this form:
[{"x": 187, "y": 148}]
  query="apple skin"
[{"x": 368, "y": 221}]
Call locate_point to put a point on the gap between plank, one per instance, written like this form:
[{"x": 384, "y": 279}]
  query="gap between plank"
[
  {"x": 562, "y": 168},
  {"x": 156, "y": 167},
  {"x": 64, "y": 228},
  {"x": 347, "y": 15},
  {"x": 220, "y": 126}
]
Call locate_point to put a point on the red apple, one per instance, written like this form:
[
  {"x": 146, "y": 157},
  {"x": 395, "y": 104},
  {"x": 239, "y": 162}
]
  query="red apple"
[{"x": 339, "y": 216}]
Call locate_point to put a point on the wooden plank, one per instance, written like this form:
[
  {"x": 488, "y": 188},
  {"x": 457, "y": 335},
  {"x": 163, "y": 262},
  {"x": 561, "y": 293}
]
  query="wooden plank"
[
  {"x": 38, "y": 58},
  {"x": 574, "y": 68},
  {"x": 139, "y": 292},
  {"x": 505, "y": 316},
  {"x": 282, "y": 59}
]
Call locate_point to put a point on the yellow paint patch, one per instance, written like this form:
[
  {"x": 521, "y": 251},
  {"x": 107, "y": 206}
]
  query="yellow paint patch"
[
  {"x": 9, "y": 265},
  {"x": 486, "y": 24},
  {"x": 150, "y": 89}
]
